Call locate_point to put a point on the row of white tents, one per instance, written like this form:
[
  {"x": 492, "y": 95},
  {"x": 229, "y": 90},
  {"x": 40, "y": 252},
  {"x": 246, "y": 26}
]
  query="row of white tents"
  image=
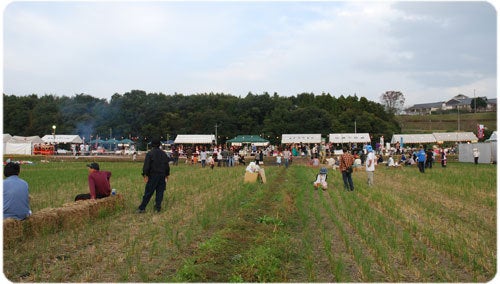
[
  {"x": 341, "y": 138},
  {"x": 285, "y": 138},
  {"x": 25, "y": 145}
]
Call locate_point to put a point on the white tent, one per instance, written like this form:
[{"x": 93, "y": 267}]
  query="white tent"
[
  {"x": 6, "y": 138},
  {"x": 413, "y": 138},
  {"x": 75, "y": 139},
  {"x": 300, "y": 138},
  {"x": 349, "y": 138},
  {"x": 493, "y": 137},
  {"x": 20, "y": 145},
  {"x": 194, "y": 139},
  {"x": 455, "y": 137}
]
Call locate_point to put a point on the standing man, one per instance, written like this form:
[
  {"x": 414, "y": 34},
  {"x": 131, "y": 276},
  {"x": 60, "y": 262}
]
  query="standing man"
[
  {"x": 421, "y": 156},
  {"x": 346, "y": 161},
  {"x": 16, "y": 203},
  {"x": 203, "y": 157},
  {"x": 155, "y": 172},
  {"x": 286, "y": 157},
  {"x": 99, "y": 186},
  {"x": 370, "y": 165}
]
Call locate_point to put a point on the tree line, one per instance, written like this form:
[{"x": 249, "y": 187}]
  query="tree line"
[{"x": 139, "y": 115}]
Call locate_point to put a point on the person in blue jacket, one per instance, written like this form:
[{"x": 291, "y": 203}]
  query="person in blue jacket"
[
  {"x": 421, "y": 156},
  {"x": 16, "y": 203}
]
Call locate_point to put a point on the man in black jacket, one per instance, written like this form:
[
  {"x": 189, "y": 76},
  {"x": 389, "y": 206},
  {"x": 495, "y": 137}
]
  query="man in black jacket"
[{"x": 155, "y": 172}]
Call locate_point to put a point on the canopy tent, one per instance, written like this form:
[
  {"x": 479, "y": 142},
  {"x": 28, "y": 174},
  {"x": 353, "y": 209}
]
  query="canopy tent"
[
  {"x": 194, "y": 139},
  {"x": 126, "y": 141},
  {"x": 413, "y": 138},
  {"x": 75, "y": 139},
  {"x": 350, "y": 138},
  {"x": 21, "y": 145},
  {"x": 437, "y": 137},
  {"x": 248, "y": 139},
  {"x": 493, "y": 137},
  {"x": 300, "y": 138},
  {"x": 6, "y": 138},
  {"x": 455, "y": 137}
]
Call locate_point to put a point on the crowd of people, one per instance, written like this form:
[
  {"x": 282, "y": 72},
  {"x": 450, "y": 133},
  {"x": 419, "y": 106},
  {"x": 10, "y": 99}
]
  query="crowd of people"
[{"x": 156, "y": 168}]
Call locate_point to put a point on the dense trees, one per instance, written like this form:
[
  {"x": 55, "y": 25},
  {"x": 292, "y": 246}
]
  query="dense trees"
[{"x": 139, "y": 115}]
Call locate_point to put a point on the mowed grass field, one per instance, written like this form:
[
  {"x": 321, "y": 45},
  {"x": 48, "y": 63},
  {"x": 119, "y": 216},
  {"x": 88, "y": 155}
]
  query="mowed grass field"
[{"x": 410, "y": 227}]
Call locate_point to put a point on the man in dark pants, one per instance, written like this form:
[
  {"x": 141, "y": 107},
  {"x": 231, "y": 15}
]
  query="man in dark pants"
[{"x": 155, "y": 172}]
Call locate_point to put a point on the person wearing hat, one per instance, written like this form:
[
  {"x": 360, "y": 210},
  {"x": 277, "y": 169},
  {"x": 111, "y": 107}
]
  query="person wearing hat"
[
  {"x": 16, "y": 203},
  {"x": 321, "y": 179},
  {"x": 370, "y": 164},
  {"x": 99, "y": 185},
  {"x": 155, "y": 172}
]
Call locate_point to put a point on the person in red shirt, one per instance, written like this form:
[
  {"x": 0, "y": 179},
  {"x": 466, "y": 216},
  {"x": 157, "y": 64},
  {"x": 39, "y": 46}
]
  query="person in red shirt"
[{"x": 99, "y": 185}]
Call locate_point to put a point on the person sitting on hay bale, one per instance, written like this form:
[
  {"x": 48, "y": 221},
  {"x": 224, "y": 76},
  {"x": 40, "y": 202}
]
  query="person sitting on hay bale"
[
  {"x": 321, "y": 179},
  {"x": 99, "y": 185},
  {"x": 16, "y": 202}
]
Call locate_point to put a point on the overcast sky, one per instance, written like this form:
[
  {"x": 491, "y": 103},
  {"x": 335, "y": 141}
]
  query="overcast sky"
[{"x": 430, "y": 51}]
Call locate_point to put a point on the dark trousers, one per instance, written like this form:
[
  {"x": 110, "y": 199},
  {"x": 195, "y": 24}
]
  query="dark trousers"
[
  {"x": 155, "y": 184},
  {"x": 86, "y": 196},
  {"x": 421, "y": 166},
  {"x": 348, "y": 184}
]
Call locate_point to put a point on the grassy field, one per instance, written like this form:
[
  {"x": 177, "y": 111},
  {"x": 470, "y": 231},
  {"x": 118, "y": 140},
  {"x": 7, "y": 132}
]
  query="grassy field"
[
  {"x": 410, "y": 227},
  {"x": 446, "y": 122}
]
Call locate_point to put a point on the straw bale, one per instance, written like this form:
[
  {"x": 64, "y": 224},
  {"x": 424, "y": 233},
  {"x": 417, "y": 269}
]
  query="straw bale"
[
  {"x": 70, "y": 215},
  {"x": 46, "y": 220},
  {"x": 12, "y": 230}
]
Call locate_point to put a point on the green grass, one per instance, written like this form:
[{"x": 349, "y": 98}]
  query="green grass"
[
  {"x": 410, "y": 227},
  {"x": 446, "y": 122}
]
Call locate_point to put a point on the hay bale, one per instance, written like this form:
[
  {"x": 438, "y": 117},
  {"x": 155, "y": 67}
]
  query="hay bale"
[
  {"x": 44, "y": 221},
  {"x": 12, "y": 230},
  {"x": 48, "y": 220},
  {"x": 73, "y": 216}
]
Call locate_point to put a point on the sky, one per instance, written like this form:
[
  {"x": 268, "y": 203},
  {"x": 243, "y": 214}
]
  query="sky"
[{"x": 429, "y": 51}]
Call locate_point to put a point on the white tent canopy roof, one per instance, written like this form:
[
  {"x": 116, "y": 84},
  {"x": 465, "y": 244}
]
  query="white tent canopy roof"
[
  {"x": 455, "y": 136},
  {"x": 300, "y": 138},
  {"x": 437, "y": 137},
  {"x": 62, "y": 139},
  {"x": 413, "y": 138},
  {"x": 493, "y": 137},
  {"x": 22, "y": 139},
  {"x": 6, "y": 137},
  {"x": 349, "y": 138},
  {"x": 194, "y": 139}
]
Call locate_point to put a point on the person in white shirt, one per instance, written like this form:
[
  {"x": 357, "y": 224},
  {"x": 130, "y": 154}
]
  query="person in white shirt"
[
  {"x": 321, "y": 179},
  {"x": 370, "y": 164}
]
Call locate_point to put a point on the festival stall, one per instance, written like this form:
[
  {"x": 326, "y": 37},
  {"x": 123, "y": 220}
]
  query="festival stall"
[
  {"x": 455, "y": 137},
  {"x": 248, "y": 139},
  {"x": 300, "y": 138},
  {"x": 6, "y": 138},
  {"x": 413, "y": 139},
  {"x": 20, "y": 145},
  {"x": 340, "y": 138},
  {"x": 194, "y": 139},
  {"x": 72, "y": 139}
]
